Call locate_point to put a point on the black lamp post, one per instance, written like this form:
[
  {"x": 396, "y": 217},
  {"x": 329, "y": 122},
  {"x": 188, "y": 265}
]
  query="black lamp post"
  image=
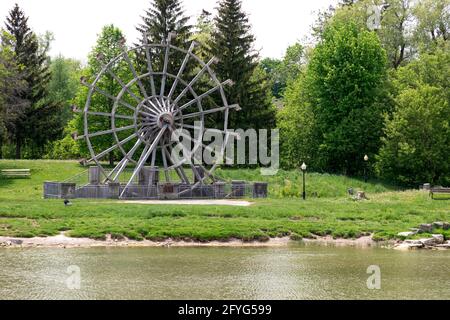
[
  {"x": 366, "y": 159},
  {"x": 304, "y": 167}
]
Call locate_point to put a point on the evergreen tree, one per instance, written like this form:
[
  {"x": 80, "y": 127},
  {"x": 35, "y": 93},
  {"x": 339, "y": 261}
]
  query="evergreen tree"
[
  {"x": 11, "y": 88},
  {"x": 164, "y": 17},
  {"x": 37, "y": 76},
  {"x": 233, "y": 44}
]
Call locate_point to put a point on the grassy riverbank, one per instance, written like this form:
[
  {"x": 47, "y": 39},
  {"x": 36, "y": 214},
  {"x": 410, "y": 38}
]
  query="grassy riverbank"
[{"x": 23, "y": 212}]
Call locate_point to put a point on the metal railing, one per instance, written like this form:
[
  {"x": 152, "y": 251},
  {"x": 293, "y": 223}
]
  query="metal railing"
[{"x": 80, "y": 187}]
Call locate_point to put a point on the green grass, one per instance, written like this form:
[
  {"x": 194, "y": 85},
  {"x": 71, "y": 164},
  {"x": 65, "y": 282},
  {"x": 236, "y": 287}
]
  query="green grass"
[{"x": 23, "y": 212}]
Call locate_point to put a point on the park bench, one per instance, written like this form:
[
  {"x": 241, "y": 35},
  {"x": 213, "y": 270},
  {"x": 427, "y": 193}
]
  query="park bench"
[
  {"x": 439, "y": 190},
  {"x": 16, "y": 173}
]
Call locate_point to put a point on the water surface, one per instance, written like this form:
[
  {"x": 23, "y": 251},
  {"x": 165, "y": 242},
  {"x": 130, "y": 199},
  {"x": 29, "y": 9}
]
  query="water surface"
[{"x": 294, "y": 272}]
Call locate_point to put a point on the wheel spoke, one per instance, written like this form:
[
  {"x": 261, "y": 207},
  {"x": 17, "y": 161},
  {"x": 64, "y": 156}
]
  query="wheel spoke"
[
  {"x": 152, "y": 107},
  {"x": 127, "y": 159},
  {"x": 191, "y": 156},
  {"x": 143, "y": 159},
  {"x": 161, "y": 107},
  {"x": 133, "y": 71},
  {"x": 166, "y": 64},
  {"x": 166, "y": 171},
  {"x": 206, "y": 112},
  {"x": 202, "y": 96},
  {"x": 153, "y": 115},
  {"x": 115, "y": 99},
  {"x": 196, "y": 78},
  {"x": 205, "y": 147},
  {"x": 124, "y": 162},
  {"x": 149, "y": 65},
  {"x": 123, "y": 85},
  {"x": 181, "y": 71},
  {"x": 180, "y": 171},
  {"x": 166, "y": 105},
  {"x": 233, "y": 134},
  {"x": 110, "y": 115},
  {"x": 114, "y": 147},
  {"x": 102, "y": 133}
]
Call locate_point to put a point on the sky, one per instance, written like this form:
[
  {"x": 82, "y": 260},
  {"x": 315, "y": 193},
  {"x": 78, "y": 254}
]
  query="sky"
[{"x": 76, "y": 23}]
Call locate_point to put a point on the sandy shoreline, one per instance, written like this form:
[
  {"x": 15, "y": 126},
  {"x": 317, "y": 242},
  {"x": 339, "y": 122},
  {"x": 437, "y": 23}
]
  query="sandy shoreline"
[{"x": 62, "y": 241}]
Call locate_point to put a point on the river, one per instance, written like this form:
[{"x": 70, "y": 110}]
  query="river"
[{"x": 294, "y": 272}]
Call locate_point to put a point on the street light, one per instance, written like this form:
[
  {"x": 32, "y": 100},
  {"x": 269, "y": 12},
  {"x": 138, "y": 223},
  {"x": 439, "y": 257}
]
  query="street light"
[
  {"x": 304, "y": 167},
  {"x": 366, "y": 159}
]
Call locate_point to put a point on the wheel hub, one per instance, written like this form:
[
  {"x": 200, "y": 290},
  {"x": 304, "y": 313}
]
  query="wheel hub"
[{"x": 165, "y": 120}]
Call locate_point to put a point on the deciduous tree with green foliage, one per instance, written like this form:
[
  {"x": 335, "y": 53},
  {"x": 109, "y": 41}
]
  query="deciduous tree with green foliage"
[
  {"x": 64, "y": 84},
  {"x": 433, "y": 23},
  {"x": 109, "y": 46},
  {"x": 416, "y": 148},
  {"x": 391, "y": 19},
  {"x": 344, "y": 86},
  {"x": 296, "y": 123},
  {"x": 281, "y": 72}
]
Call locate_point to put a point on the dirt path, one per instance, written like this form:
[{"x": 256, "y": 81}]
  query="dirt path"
[{"x": 232, "y": 203}]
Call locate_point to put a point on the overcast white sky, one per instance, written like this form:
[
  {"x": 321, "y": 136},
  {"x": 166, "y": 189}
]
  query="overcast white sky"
[{"x": 76, "y": 23}]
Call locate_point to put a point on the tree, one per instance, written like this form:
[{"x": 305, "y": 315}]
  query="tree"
[
  {"x": 416, "y": 148},
  {"x": 232, "y": 43},
  {"x": 64, "y": 84},
  {"x": 433, "y": 22},
  {"x": 11, "y": 88},
  {"x": 395, "y": 32},
  {"x": 392, "y": 20},
  {"x": 37, "y": 75},
  {"x": 163, "y": 18},
  {"x": 296, "y": 123},
  {"x": 281, "y": 72},
  {"x": 345, "y": 86},
  {"x": 203, "y": 34},
  {"x": 109, "y": 46},
  {"x": 272, "y": 68}
]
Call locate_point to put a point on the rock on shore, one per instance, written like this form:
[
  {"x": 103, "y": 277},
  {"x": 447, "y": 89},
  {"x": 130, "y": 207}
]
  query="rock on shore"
[{"x": 437, "y": 241}]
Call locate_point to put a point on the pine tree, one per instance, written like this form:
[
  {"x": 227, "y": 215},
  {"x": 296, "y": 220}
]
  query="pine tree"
[
  {"x": 164, "y": 17},
  {"x": 36, "y": 76},
  {"x": 11, "y": 88},
  {"x": 233, "y": 44}
]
